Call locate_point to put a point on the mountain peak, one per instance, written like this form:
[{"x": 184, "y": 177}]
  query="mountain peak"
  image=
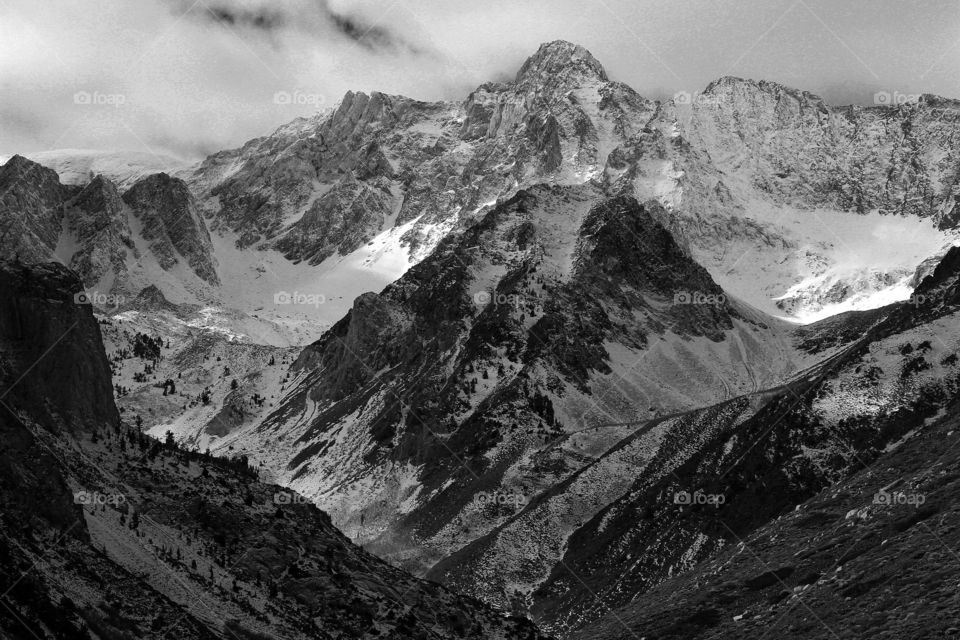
[
  {"x": 560, "y": 59},
  {"x": 19, "y": 165},
  {"x": 746, "y": 85}
]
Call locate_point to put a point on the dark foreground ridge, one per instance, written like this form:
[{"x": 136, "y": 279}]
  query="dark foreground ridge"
[{"x": 107, "y": 533}]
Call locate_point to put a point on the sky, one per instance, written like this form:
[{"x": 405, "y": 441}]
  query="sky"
[{"x": 190, "y": 77}]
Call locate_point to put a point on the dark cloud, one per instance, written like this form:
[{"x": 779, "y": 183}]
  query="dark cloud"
[
  {"x": 262, "y": 19},
  {"x": 317, "y": 19},
  {"x": 371, "y": 37}
]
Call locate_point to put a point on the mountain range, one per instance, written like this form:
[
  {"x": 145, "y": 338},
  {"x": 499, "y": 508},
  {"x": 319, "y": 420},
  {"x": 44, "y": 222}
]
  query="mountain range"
[{"x": 626, "y": 368}]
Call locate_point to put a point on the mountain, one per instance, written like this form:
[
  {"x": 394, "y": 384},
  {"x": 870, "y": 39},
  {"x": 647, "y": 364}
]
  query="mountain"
[
  {"x": 508, "y": 441},
  {"x": 403, "y": 173},
  {"x": 768, "y": 187},
  {"x": 114, "y": 241},
  {"x": 95, "y": 219},
  {"x": 30, "y": 209},
  {"x": 773, "y": 187},
  {"x": 857, "y": 551},
  {"x": 571, "y": 319},
  {"x": 138, "y": 539}
]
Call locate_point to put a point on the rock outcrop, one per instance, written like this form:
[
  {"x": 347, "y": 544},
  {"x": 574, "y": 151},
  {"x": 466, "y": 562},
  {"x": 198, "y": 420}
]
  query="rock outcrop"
[{"x": 172, "y": 224}]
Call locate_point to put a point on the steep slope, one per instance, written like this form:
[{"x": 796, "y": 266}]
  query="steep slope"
[
  {"x": 138, "y": 539},
  {"x": 98, "y": 235},
  {"x": 565, "y": 311},
  {"x": 869, "y": 556},
  {"x": 723, "y": 476}
]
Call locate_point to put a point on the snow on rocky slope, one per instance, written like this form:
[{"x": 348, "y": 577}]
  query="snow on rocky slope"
[
  {"x": 770, "y": 188},
  {"x": 380, "y": 180},
  {"x": 780, "y": 195}
]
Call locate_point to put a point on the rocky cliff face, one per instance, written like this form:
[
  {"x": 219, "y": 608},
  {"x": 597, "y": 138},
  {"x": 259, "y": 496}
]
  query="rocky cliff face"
[
  {"x": 172, "y": 224},
  {"x": 30, "y": 209},
  {"x": 337, "y": 223},
  {"x": 51, "y": 339},
  {"x": 117, "y": 244},
  {"x": 896, "y": 159},
  {"x": 98, "y": 222}
]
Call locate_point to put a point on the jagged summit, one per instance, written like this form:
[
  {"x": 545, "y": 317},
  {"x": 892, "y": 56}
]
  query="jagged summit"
[
  {"x": 560, "y": 60},
  {"x": 19, "y": 165},
  {"x": 17, "y": 162}
]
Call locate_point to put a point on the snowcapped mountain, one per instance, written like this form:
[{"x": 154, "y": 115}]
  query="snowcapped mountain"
[{"x": 768, "y": 187}]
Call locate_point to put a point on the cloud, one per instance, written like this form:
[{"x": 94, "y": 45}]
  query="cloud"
[
  {"x": 371, "y": 37},
  {"x": 263, "y": 19},
  {"x": 189, "y": 77}
]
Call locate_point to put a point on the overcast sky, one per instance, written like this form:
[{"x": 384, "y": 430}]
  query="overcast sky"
[{"x": 189, "y": 77}]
